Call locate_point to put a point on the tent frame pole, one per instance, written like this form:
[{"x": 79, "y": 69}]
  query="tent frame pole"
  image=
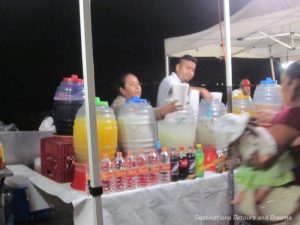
[
  {"x": 90, "y": 107},
  {"x": 167, "y": 61}
]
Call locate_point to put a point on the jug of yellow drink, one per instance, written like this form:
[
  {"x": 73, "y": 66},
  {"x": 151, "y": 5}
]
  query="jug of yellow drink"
[
  {"x": 106, "y": 132},
  {"x": 243, "y": 103}
]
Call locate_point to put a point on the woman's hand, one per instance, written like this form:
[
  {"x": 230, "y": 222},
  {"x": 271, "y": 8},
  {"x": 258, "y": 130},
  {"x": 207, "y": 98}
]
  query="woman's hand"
[{"x": 169, "y": 108}]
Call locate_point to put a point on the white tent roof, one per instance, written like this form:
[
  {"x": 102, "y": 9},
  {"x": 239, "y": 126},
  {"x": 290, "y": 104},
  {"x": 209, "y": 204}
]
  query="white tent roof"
[{"x": 258, "y": 27}]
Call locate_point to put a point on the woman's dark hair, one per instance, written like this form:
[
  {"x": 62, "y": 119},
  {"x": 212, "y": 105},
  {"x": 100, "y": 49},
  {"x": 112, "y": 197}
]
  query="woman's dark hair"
[
  {"x": 293, "y": 71},
  {"x": 121, "y": 82}
]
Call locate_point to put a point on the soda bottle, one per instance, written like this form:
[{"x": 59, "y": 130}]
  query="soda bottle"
[
  {"x": 199, "y": 162},
  {"x": 142, "y": 168},
  {"x": 153, "y": 167},
  {"x": 131, "y": 171},
  {"x": 164, "y": 167},
  {"x": 191, "y": 161},
  {"x": 174, "y": 161},
  {"x": 157, "y": 147},
  {"x": 119, "y": 173},
  {"x": 106, "y": 174},
  {"x": 1, "y": 157},
  {"x": 183, "y": 164}
]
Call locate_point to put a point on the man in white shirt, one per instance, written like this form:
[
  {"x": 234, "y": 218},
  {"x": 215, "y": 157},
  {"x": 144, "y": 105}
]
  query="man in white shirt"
[
  {"x": 245, "y": 89},
  {"x": 185, "y": 71}
]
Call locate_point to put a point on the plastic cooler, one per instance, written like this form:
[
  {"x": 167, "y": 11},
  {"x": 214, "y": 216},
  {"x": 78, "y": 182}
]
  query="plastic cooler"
[{"x": 57, "y": 154}]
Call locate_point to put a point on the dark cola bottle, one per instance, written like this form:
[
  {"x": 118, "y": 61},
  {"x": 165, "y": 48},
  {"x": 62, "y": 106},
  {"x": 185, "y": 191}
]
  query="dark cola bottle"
[
  {"x": 183, "y": 164},
  {"x": 174, "y": 160},
  {"x": 191, "y": 160}
]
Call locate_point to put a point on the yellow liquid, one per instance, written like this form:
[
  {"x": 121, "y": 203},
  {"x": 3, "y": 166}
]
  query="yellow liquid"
[
  {"x": 107, "y": 138},
  {"x": 239, "y": 111}
]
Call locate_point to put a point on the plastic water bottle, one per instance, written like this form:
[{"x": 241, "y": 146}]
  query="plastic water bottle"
[
  {"x": 199, "y": 162},
  {"x": 164, "y": 167},
  {"x": 131, "y": 171},
  {"x": 183, "y": 164},
  {"x": 119, "y": 173},
  {"x": 142, "y": 177},
  {"x": 106, "y": 174},
  {"x": 191, "y": 160},
  {"x": 174, "y": 161},
  {"x": 153, "y": 167}
]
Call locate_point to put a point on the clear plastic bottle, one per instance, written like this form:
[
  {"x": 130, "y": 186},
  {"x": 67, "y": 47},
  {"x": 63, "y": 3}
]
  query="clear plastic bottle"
[
  {"x": 131, "y": 171},
  {"x": 153, "y": 167},
  {"x": 142, "y": 177},
  {"x": 119, "y": 172},
  {"x": 106, "y": 174},
  {"x": 199, "y": 162},
  {"x": 164, "y": 167}
]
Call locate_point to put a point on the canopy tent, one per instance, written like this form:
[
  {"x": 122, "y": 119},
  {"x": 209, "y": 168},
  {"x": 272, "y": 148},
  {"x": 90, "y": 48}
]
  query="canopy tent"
[{"x": 261, "y": 29}]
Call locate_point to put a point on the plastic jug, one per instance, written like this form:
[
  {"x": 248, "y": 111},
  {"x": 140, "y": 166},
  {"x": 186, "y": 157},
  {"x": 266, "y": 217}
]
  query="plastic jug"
[
  {"x": 137, "y": 127},
  {"x": 106, "y": 132},
  {"x": 243, "y": 103},
  {"x": 178, "y": 129},
  {"x": 209, "y": 111},
  {"x": 268, "y": 95},
  {"x": 69, "y": 97}
]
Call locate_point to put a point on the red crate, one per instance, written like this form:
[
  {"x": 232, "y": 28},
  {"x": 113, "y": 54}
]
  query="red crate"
[{"x": 57, "y": 154}]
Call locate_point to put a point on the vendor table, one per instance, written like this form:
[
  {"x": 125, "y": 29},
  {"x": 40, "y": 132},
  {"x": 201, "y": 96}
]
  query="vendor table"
[{"x": 200, "y": 202}]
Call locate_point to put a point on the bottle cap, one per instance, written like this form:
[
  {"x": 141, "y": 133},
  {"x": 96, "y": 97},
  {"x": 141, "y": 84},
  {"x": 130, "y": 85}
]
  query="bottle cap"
[
  {"x": 100, "y": 103},
  {"x": 129, "y": 153},
  {"x": 136, "y": 99},
  {"x": 268, "y": 80},
  {"x": 199, "y": 145}
]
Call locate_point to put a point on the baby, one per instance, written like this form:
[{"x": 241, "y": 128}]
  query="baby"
[{"x": 240, "y": 133}]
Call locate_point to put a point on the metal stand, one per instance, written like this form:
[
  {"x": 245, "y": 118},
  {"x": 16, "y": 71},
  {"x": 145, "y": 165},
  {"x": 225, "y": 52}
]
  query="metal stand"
[{"x": 3, "y": 174}]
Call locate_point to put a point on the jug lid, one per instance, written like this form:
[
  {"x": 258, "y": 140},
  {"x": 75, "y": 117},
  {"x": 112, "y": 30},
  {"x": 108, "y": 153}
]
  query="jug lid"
[
  {"x": 136, "y": 99},
  {"x": 100, "y": 103},
  {"x": 268, "y": 80}
]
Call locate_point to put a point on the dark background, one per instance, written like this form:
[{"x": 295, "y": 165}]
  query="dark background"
[{"x": 40, "y": 44}]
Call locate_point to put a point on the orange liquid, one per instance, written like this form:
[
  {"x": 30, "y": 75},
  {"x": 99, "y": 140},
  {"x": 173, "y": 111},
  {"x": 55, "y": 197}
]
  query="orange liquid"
[{"x": 107, "y": 138}]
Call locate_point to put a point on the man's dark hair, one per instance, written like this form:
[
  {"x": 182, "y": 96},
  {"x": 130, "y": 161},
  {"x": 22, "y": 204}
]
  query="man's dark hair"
[{"x": 188, "y": 58}]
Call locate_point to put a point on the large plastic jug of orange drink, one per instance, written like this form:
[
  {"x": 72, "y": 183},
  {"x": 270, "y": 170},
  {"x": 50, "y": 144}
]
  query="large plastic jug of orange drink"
[{"x": 106, "y": 132}]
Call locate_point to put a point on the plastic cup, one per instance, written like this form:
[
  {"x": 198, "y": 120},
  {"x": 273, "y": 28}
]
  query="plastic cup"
[
  {"x": 180, "y": 92},
  {"x": 217, "y": 96}
]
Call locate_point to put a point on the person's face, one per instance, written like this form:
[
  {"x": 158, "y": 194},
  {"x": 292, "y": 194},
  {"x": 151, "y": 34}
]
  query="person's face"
[
  {"x": 186, "y": 70},
  {"x": 289, "y": 88},
  {"x": 132, "y": 87},
  {"x": 246, "y": 90}
]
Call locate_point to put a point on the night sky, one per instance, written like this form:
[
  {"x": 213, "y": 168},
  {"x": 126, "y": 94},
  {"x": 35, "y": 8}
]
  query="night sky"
[{"x": 40, "y": 44}]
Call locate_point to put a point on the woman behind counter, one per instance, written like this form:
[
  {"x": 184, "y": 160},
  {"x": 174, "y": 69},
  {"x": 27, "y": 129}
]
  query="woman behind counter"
[{"x": 129, "y": 86}]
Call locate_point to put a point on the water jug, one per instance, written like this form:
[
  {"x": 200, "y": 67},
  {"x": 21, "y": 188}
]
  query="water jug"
[
  {"x": 268, "y": 95},
  {"x": 106, "y": 132},
  {"x": 178, "y": 129},
  {"x": 209, "y": 111},
  {"x": 68, "y": 98},
  {"x": 243, "y": 103},
  {"x": 137, "y": 127}
]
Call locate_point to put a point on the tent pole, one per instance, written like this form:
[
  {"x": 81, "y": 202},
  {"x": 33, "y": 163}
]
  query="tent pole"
[
  {"x": 90, "y": 107},
  {"x": 167, "y": 65},
  {"x": 272, "y": 68},
  {"x": 229, "y": 98}
]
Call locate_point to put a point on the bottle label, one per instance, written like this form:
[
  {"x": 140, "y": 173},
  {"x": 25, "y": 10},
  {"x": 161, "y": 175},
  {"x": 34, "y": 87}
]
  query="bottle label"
[
  {"x": 106, "y": 176},
  {"x": 142, "y": 170},
  {"x": 132, "y": 172},
  {"x": 164, "y": 167},
  {"x": 175, "y": 168},
  {"x": 120, "y": 173},
  {"x": 192, "y": 167},
  {"x": 154, "y": 169},
  {"x": 183, "y": 163}
]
